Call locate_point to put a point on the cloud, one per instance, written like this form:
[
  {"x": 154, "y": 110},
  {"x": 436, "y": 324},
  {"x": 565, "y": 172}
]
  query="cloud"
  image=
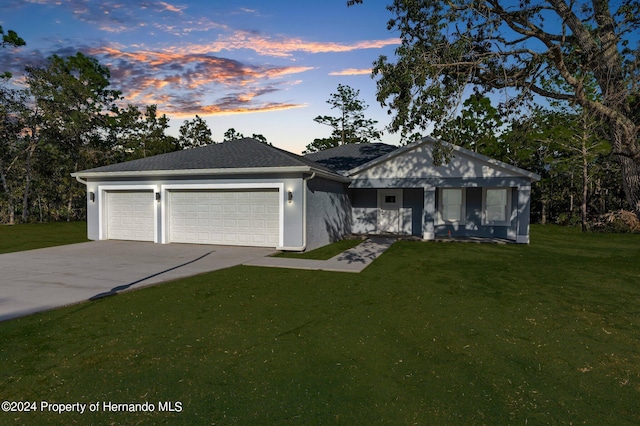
[
  {"x": 183, "y": 82},
  {"x": 171, "y": 8},
  {"x": 186, "y": 78},
  {"x": 117, "y": 16},
  {"x": 352, "y": 71},
  {"x": 112, "y": 16},
  {"x": 179, "y": 82},
  {"x": 210, "y": 110},
  {"x": 285, "y": 46}
]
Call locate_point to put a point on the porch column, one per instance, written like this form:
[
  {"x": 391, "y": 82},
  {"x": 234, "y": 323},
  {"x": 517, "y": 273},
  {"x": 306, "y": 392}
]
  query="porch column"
[
  {"x": 429, "y": 214},
  {"x": 524, "y": 213}
]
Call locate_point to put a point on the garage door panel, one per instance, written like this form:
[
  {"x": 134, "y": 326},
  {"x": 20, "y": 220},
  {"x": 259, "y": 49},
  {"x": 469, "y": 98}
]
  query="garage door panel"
[
  {"x": 130, "y": 215},
  {"x": 271, "y": 209},
  {"x": 248, "y": 217}
]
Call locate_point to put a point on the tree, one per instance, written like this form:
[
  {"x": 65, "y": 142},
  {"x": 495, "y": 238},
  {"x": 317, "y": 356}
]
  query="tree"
[
  {"x": 350, "y": 126},
  {"x": 320, "y": 144},
  {"x": 72, "y": 98},
  {"x": 492, "y": 44},
  {"x": 587, "y": 149},
  {"x": 10, "y": 38},
  {"x": 194, "y": 133},
  {"x": 260, "y": 137},
  {"x": 476, "y": 128},
  {"x": 231, "y": 135},
  {"x": 12, "y": 148},
  {"x": 565, "y": 147},
  {"x": 145, "y": 134}
]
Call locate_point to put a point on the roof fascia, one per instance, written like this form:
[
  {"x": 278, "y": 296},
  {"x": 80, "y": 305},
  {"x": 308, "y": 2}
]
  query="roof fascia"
[{"x": 211, "y": 172}]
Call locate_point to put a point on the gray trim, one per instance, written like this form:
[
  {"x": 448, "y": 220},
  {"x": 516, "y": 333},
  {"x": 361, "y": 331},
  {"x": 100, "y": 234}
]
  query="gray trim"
[{"x": 440, "y": 182}]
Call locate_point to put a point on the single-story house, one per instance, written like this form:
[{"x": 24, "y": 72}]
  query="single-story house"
[{"x": 245, "y": 192}]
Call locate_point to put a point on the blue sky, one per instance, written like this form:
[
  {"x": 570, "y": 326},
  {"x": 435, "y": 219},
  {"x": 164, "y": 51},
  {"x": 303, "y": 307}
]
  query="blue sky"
[{"x": 263, "y": 67}]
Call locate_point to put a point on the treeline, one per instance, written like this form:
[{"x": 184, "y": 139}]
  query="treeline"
[
  {"x": 581, "y": 177},
  {"x": 64, "y": 119}
]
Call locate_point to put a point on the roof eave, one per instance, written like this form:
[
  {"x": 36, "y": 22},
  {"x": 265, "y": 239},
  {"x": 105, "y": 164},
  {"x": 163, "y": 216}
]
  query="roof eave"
[{"x": 209, "y": 172}]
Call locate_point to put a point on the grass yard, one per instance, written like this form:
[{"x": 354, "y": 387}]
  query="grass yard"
[
  {"x": 430, "y": 333},
  {"x": 38, "y": 235}
]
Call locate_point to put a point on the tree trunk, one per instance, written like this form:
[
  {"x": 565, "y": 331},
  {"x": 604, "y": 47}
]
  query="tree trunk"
[
  {"x": 70, "y": 197},
  {"x": 40, "y": 208},
  {"x": 27, "y": 184},
  {"x": 585, "y": 168},
  {"x": 69, "y": 207},
  {"x": 543, "y": 210},
  {"x": 585, "y": 181},
  {"x": 625, "y": 134},
  {"x": 631, "y": 183},
  {"x": 10, "y": 202}
]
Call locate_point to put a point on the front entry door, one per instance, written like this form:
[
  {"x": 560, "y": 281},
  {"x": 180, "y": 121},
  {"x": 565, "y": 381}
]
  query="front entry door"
[{"x": 389, "y": 203}]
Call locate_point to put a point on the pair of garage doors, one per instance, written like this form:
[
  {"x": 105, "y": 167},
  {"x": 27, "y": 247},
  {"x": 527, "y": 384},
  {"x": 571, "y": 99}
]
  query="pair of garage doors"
[{"x": 229, "y": 217}]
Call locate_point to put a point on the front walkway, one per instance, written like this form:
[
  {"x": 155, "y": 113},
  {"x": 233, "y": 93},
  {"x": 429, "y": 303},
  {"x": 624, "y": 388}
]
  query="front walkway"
[{"x": 352, "y": 260}]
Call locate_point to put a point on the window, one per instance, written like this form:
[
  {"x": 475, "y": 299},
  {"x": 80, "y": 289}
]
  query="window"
[
  {"x": 452, "y": 205},
  {"x": 496, "y": 206}
]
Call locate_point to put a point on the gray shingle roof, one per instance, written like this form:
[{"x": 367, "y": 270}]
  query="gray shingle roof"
[
  {"x": 349, "y": 156},
  {"x": 242, "y": 153}
]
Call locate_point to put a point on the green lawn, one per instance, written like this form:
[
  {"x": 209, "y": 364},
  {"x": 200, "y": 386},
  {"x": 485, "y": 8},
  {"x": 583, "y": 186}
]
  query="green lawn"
[
  {"x": 32, "y": 236},
  {"x": 430, "y": 333}
]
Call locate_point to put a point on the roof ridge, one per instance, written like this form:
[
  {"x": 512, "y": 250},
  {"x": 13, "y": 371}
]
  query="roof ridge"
[{"x": 300, "y": 158}]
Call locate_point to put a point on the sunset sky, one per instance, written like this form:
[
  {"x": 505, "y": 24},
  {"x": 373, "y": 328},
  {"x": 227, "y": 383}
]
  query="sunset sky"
[{"x": 263, "y": 67}]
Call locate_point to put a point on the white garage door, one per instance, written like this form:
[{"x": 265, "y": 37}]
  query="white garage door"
[
  {"x": 244, "y": 218},
  {"x": 130, "y": 215}
]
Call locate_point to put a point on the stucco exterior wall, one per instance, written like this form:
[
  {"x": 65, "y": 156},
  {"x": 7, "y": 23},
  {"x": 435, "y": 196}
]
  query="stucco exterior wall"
[
  {"x": 413, "y": 170},
  {"x": 418, "y": 163},
  {"x": 365, "y": 211},
  {"x": 420, "y": 207},
  {"x": 473, "y": 226},
  {"x": 292, "y": 228},
  {"x": 328, "y": 212}
]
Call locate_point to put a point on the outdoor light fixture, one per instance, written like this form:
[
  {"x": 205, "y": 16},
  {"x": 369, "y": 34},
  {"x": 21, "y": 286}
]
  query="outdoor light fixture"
[
  {"x": 290, "y": 196},
  {"x": 92, "y": 196},
  {"x": 157, "y": 196}
]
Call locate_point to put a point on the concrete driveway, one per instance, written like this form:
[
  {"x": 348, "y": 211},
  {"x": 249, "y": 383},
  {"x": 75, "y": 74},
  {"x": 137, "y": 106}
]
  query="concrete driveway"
[{"x": 37, "y": 280}]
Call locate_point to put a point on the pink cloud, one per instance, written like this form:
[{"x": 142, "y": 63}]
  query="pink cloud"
[{"x": 352, "y": 71}]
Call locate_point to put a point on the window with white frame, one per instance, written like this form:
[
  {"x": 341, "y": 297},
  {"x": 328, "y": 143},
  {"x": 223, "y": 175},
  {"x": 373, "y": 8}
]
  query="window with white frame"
[
  {"x": 451, "y": 207},
  {"x": 496, "y": 205}
]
